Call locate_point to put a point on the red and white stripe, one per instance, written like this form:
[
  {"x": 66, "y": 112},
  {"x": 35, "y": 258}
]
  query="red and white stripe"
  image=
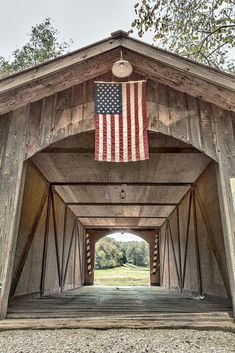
[
  {"x": 123, "y": 138},
  {"x": 155, "y": 255},
  {"x": 88, "y": 254}
]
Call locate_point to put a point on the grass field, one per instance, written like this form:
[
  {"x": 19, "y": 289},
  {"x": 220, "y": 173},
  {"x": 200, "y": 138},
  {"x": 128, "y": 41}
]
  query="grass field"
[{"x": 126, "y": 275}]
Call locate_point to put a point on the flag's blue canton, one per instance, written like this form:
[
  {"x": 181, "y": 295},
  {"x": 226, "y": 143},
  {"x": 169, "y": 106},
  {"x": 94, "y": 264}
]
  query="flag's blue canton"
[{"x": 108, "y": 98}]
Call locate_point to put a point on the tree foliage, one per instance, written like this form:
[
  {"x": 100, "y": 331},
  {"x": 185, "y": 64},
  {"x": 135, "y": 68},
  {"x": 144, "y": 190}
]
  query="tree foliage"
[
  {"x": 43, "y": 44},
  {"x": 138, "y": 253},
  {"x": 111, "y": 253},
  {"x": 108, "y": 254},
  {"x": 203, "y": 30}
]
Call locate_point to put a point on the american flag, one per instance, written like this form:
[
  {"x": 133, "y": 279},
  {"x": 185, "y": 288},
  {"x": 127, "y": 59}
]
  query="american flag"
[{"x": 121, "y": 121}]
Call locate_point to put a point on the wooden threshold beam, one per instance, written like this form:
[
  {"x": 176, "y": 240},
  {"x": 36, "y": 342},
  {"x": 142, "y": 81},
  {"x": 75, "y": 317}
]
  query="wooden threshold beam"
[
  {"x": 124, "y": 229},
  {"x": 121, "y": 204},
  {"x": 124, "y": 217},
  {"x": 117, "y": 183}
]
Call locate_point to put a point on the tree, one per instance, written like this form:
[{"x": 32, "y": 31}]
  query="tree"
[
  {"x": 43, "y": 45},
  {"x": 111, "y": 253},
  {"x": 108, "y": 254},
  {"x": 203, "y": 30},
  {"x": 137, "y": 253}
]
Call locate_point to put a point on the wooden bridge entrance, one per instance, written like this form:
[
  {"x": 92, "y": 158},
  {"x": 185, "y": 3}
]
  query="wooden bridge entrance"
[{"x": 53, "y": 194}]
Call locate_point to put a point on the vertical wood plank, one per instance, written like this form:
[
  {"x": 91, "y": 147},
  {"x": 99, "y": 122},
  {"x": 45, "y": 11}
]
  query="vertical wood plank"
[
  {"x": 226, "y": 170},
  {"x": 163, "y": 121},
  {"x": 47, "y": 121},
  {"x": 178, "y": 114},
  {"x": 63, "y": 115},
  {"x": 193, "y": 118},
  {"x": 207, "y": 128},
  {"x": 34, "y": 127},
  {"x": 12, "y": 180},
  {"x": 4, "y": 129}
]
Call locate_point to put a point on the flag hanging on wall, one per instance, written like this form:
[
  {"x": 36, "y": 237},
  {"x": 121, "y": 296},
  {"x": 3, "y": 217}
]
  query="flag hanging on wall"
[{"x": 121, "y": 121}]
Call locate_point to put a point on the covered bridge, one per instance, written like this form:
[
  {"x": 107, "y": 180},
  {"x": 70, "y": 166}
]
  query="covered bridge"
[{"x": 53, "y": 193}]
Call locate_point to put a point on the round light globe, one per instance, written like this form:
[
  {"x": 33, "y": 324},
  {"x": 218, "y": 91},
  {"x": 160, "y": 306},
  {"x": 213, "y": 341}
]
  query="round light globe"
[{"x": 122, "y": 68}]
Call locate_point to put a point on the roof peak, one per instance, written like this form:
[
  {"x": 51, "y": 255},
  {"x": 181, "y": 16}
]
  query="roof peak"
[{"x": 119, "y": 33}]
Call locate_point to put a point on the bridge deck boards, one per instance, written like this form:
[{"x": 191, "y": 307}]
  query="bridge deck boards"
[
  {"x": 124, "y": 307},
  {"x": 112, "y": 301}
]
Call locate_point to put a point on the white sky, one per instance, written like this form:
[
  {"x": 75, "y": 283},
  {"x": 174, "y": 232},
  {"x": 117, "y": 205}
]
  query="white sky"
[
  {"x": 125, "y": 237},
  {"x": 83, "y": 21}
]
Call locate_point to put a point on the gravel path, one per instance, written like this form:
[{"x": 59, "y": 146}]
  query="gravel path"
[{"x": 116, "y": 341}]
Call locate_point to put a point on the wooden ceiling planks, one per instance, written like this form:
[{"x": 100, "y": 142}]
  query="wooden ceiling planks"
[
  {"x": 111, "y": 193},
  {"x": 166, "y": 172},
  {"x": 126, "y": 223},
  {"x": 162, "y": 167},
  {"x": 122, "y": 211}
]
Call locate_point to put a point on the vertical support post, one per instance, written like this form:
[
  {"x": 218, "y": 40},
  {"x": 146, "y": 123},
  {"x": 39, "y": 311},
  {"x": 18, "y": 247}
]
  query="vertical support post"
[
  {"x": 56, "y": 238},
  {"x": 164, "y": 258},
  {"x": 45, "y": 247},
  {"x": 179, "y": 247},
  {"x": 69, "y": 252},
  {"x": 197, "y": 251},
  {"x": 225, "y": 143},
  {"x": 63, "y": 247},
  {"x": 228, "y": 223},
  {"x": 187, "y": 238},
  {"x": 174, "y": 255},
  {"x": 75, "y": 255},
  {"x": 80, "y": 254},
  {"x": 12, "y": 175},
  {"x": 168, "y": 257}
]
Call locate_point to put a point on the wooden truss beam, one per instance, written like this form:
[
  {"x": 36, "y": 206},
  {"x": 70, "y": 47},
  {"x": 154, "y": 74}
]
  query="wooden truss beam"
[
  {"x": 121, "y": 204},
  {"x": 112, "y": 227},
  {"x": 123, "y": 217},
  {"x": 45, "y": 246},
  {"x": 115, "y": 183}
]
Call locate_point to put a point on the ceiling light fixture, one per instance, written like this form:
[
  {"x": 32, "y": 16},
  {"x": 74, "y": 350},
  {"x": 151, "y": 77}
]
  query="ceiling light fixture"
[
  {"x": 122, "y": 68},
  {"x": 123, "y": 194}
]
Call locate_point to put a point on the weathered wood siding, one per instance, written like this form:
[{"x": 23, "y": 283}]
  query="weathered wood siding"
[
  {"x": 30, "y": 253},
  {"x": 196, "y": 239}
]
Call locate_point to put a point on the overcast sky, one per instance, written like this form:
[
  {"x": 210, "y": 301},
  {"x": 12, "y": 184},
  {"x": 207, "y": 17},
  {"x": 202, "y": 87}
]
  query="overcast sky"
[
  {"x": 125, "y": 237},
  {"x": 83, "y": 21}
]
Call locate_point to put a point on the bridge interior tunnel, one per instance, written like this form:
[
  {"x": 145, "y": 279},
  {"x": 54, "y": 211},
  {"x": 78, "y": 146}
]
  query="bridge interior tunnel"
[{"x": 172, "y": 195}]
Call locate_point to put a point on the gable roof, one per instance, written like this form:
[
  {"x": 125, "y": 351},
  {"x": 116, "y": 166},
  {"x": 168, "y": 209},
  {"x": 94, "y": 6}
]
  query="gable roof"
[{"x": 63, "y": 72}]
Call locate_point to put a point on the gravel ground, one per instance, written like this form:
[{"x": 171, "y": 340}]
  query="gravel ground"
[{"x": 116, "y": 341}]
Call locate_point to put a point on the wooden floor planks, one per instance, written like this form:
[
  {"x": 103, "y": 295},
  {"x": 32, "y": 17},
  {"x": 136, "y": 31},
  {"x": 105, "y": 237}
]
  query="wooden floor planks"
[{"x": 112, "y": 307}]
